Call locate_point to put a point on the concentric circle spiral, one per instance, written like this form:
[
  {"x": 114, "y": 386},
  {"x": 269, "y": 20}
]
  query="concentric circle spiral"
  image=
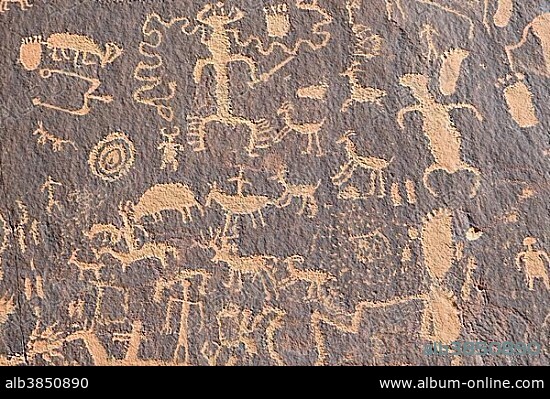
[{"x": 112, "y": 157}]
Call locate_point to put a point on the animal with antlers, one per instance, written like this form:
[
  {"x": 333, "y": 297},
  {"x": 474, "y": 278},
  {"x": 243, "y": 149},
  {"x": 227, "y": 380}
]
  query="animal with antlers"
[
  {"x": 360, "y": 94},
  {"x": 356, "y": 161},
  {"x": 311, "y": 130},
  {"x": 315, "y": 278},
  {"x": 303, "y": 192},
  {"x": 256, "y": 265}
]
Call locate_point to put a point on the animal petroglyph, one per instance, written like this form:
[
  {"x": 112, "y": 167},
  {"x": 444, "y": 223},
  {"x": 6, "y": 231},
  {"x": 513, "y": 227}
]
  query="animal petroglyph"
[
  {"x": 45, "y": 137},
  {"x": 143, "y": 72},
  {"x": 356, "y": 161},
  {"x": 277, "y": 20},
  {"x": 238, "y": 205},
  {"x": 360, "y": 94},
  {"x": 87, "y": 96},
  {"x": 541, "y": 29},
  {"x": 451, "y": 63},
  {"x": 535, "y": 264},
  {"x": 23, "y": 4},
  {"x": 255, "y": 266},
  {"x": 520, "y": 102},
  {"x": 438, "y": 126},
  {"x": 149, "y": 250},
  {"x": 316, "y": 279},
  {"x": 170, "y": 149},
  {"x": 311, "y": 130},
  {"x": 113, "y": 157},
  {"x": 166, "y": 197},
  {"x": 303, "y": 192},
  {"x": 82, "y": 46}
]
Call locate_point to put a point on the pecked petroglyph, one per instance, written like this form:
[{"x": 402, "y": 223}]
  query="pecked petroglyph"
[
  {"x": 451, "y": 63},
  {"x": 438, "y": 126}
]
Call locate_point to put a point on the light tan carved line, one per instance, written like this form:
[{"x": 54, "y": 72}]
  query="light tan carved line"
[
  {"x": 87, "y": 96},
  {"x": 451, "y": 63},
  {"x": 396, "y": 198},
  {"x": 351, "y": 327},
  {"x": 317, "y": 29},
  {"x": 23, "y": 4},
  {"x": 471, "y": 28},
  {"x": 45, "y": 137},
  {"x": 151, "y": 82},
  {"x": 541, "y": 29},
  {"x": 20, "y": 227}
]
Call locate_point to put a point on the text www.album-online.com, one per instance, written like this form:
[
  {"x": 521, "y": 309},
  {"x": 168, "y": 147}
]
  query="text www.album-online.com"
[{"x": 489, "y": 383}]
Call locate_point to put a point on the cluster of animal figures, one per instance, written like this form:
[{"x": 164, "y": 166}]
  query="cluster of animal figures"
[{"x": 252, "y": 335}]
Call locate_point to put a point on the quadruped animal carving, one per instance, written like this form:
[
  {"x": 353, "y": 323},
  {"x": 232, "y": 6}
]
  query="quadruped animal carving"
[
  {"x": 356, "y": 161},
  {"x": 302, "y": 192}
]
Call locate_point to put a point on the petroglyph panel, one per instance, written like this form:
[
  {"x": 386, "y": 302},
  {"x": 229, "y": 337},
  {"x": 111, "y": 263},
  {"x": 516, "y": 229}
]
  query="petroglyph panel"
[{"x": 276, "y": 182}]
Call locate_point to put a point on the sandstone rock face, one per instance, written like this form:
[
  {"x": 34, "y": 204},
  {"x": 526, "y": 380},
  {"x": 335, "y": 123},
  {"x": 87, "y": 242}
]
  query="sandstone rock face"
[{"x": 273, "y": 183}]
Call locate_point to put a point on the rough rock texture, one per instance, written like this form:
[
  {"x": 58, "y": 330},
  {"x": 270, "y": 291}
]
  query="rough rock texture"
[{"x": 269, "y": 182}]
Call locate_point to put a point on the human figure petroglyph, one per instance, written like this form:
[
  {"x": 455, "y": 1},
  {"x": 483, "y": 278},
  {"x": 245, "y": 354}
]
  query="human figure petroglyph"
[
  {"x": 311, "y": 130},
  {"x": 87, "y": 96},
  {"x": 356, "y": 161},
  {"x": 534, "y": 264},
  {"x": 165, "y": 197},
  {"x": 360, "y": 94},
  {"x": 23, "y": 4},
  {"x": 170, "y": 149},
  {"x": 303, "y": 192},
  {"x": 45, "y": 137},
  {"x": 217, "y": 19},
  {"x": 255, "y": 266},
  {"x": 439, "y": 128},
  {"x": 428, "y": 34},
  {"x": 316, "y": 279}
]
